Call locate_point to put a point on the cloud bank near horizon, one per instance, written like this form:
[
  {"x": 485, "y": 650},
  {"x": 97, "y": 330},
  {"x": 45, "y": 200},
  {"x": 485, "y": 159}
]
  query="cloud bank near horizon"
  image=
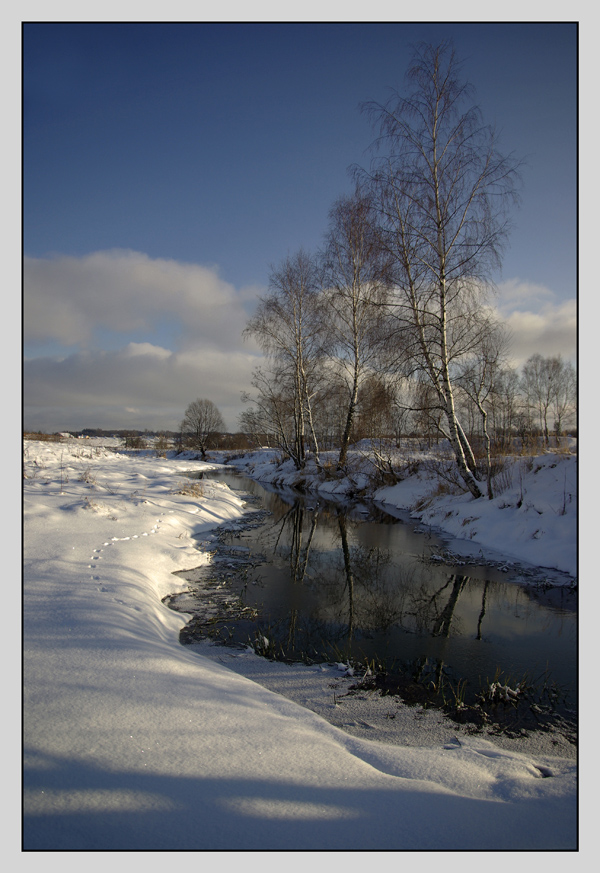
[
  {"x": 134, "y": 339},
  {"x": 117, "y": 339},
  {"x": 140, "y": 386}
]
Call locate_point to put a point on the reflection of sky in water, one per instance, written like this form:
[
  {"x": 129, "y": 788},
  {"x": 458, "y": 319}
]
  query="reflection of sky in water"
[
  {"x": 395, "y": 604},
  {"x": 510, "y": 612}
]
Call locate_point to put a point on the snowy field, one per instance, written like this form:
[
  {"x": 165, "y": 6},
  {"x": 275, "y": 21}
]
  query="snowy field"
[{"x": 134, "y": 742}]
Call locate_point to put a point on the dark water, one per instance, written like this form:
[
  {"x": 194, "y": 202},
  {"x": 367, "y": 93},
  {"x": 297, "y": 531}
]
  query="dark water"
[{"x": 329, "y": 581}]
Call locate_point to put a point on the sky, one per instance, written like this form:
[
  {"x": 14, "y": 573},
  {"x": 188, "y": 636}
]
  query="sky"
[{"x": 168, "y": 167}]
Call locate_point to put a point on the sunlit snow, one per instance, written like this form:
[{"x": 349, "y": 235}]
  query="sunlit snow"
[{"x": 133, "y": 741}]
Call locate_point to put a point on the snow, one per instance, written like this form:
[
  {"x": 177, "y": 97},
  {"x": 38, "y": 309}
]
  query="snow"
[
  {"x": 134, "y": 742},
  {"x": 533, "y": 518}
]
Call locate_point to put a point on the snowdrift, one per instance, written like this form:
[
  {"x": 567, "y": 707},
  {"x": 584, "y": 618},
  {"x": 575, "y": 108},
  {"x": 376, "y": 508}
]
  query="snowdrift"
[{"x": 133, "y": 742}]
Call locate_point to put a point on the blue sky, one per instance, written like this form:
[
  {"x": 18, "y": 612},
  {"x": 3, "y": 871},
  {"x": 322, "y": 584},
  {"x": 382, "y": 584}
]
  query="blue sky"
[{"x": 168, "y": 166}]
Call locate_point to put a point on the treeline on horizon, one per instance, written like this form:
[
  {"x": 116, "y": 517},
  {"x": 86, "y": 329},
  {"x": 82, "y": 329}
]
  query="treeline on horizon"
[{"x": 135, "y": 438}]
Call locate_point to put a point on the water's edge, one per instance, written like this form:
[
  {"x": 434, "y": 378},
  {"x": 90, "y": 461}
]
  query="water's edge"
[{"x": 222, "y": 606}]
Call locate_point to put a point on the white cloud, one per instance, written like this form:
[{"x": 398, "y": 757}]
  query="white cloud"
[
  {"x": 514, "y": 292},
  {"x": 174, "y": 333},
  {"x": 538, "y": 321},
  {"x": 133, "y": 350},
  {"x": 68, "y": 299}
]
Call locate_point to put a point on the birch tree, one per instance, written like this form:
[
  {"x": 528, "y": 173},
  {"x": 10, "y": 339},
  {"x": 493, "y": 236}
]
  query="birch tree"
[
  {"x": 288, "y": 327},
  {"x": 479, "y": 376},
  {"x": 355, "y": 292},
  {"x": 442, "y": 193}
]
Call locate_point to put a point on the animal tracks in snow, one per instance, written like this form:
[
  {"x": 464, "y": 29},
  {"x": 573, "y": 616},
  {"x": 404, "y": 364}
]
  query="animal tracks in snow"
[{"x": 96, "y": 556}]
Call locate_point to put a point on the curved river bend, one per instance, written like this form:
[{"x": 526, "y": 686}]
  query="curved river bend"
[{"x": 324, "y": 581}]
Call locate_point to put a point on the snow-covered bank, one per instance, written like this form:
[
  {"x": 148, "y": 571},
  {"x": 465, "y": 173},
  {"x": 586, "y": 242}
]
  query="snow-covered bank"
[
  {"x": 132, "y": 741},
  {"x": 532, "y": 518}
]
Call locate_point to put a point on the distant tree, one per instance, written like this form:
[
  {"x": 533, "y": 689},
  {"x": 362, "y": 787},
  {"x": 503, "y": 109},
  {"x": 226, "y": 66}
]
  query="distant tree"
[
  {"x": 564, "y": 395},
  {"x": 161, "y": 443},
  {"x": 549, "y": 385},
  {"x": 133, "y": 440},
  {"x": 427, "y": 411},
  {"x": 536, "y": 385},
  {"x": 505, "y": 406},
  {"x": 265, "y": 423},
  {"x": 201, "y": 423},
  {"x": 375, "y": 405}
]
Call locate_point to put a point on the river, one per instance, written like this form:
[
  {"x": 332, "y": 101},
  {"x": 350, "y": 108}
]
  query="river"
[{"x": 307, "y": 579}]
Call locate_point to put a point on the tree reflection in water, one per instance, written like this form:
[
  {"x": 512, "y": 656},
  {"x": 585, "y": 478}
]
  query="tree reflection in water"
[
  {"x": 359, "y": 590},
  {"x": 335, "y": 586}
]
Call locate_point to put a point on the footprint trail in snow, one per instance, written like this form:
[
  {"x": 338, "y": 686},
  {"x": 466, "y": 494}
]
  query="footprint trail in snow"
[{"x": 97, "y": 556}]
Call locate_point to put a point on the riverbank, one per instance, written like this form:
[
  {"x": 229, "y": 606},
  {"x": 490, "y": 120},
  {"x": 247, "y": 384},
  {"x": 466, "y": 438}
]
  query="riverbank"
[
  {"x": 334, "y": 692},
  {"x": 532, "y": 518},
  {"x": 134, "y": 742}
]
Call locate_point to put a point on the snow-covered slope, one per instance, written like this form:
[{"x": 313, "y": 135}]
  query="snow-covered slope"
[{"x": 132, "y": 741}]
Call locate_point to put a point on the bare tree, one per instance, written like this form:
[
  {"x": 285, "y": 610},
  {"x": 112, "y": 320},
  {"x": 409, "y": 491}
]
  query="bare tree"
[
  {"x": 549, "y": 384},
  {"x": 252, "y": 426},
  {"x": 375, "y": 406},
  {"x": 478, "y": 377},
  {"x": 201, "y": 423},
  {"x": 442, "y": 191},
  {"x": 161, "y": 444},
  {"x": 355, "y": 292},
  {"x": 427, "y": 412},
  {"x": 536, "y": 384},
  {"x": 504, "y": 401},
  {"x": 564, "y": 395},
  {"x": 288, "y": 326},
  {"x": 402, "y": 407},
  {"x": 274, "y": 414},
  {"x": 331, "y": 413}
]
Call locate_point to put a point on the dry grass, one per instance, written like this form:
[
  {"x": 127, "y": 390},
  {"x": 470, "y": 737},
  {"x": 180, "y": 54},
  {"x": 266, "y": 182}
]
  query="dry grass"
[
  {"x": 192, "y": 488},
  {"x": 87, "y": 476}
]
